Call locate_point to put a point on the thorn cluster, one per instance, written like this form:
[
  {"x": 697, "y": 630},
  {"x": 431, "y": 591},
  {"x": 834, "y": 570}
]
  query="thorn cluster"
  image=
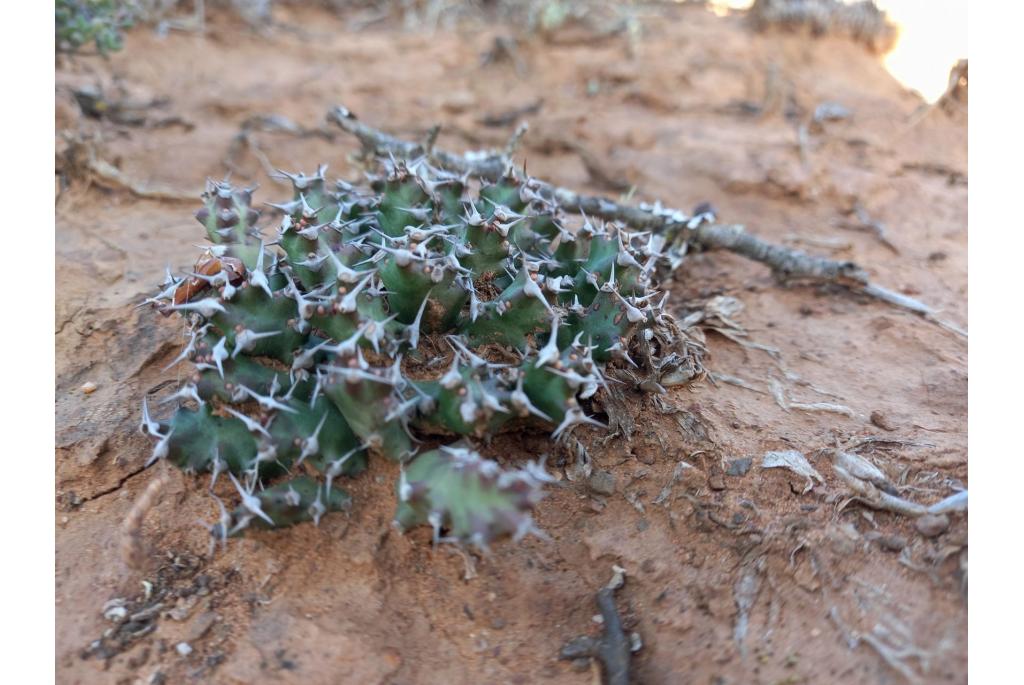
[{"x": 418, "y": 307}]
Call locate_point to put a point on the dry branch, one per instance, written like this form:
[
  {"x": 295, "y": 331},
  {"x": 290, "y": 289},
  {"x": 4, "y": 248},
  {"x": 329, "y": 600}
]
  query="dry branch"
[
  {"x": 614, "y": 647},
  {"x": 785, "y": 263}
]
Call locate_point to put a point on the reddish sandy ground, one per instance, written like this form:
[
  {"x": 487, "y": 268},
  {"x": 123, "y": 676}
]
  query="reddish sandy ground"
[{"x": 354, "y": 602}]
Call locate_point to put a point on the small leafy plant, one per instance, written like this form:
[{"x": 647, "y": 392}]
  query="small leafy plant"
[{"x": 81, "y": 22}]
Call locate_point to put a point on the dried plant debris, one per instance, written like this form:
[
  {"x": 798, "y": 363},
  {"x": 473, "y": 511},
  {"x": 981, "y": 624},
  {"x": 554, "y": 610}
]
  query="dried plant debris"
[
  {"x": 421, "y": 308},
  {"x": 178, "y": 582},
  {"x": 794, "y": 461},
  {"x": 861, "y": 21},
  {"x": 614, "y": 647},
  {"x": 872, "y": 487}
]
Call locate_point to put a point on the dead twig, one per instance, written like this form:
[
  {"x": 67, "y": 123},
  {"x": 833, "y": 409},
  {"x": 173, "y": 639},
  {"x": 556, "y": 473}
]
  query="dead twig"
[
  {"x": 866, "y": 223},
  {"x": 613, "y": 648},
  {"x": 788, "y": 265}
]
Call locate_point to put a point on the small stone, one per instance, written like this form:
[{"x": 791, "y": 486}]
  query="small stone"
[
  {"x": 116, "y": 614},
  {"x": 88, "y": 387},
  {"x": 739, "y": 467},
  {"x": 602, "y": 482},
  {"x": 882, "y": 421},
  {"x": 498, "y": 623},
  {"x": 183, "y": 608},
  {"x": 716, "y": 482},
  {"x": 691, "y": 477},
  {"x": 183, "y": 648},
  {"x": 202, "y": 625},
  {"x": 932, "y": 525}
]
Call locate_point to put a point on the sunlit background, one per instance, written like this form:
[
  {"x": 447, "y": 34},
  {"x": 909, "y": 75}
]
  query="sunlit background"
[{"x": 933, "y": 36}]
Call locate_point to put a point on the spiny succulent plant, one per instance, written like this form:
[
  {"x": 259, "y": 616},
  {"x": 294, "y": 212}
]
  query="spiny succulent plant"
[
  {"x": 418, "y": 311},
  {"x": 80, "y": 22}
]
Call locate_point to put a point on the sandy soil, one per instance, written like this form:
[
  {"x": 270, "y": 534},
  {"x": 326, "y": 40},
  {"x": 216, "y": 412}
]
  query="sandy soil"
[{"x": 731, "y": 578}]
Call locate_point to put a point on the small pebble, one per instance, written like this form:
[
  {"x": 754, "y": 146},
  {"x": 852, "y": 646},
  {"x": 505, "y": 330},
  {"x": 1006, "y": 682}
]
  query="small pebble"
[
  {"x": 184, "y": 648},
  {"x": 932, "y": 525},
  {"x": 116, "y": 614},
  {"x": 879, "y": 419},
  {"x": 88, "y": 387},
  {"x": 738, "y": 467},
  {"x": 601, "y": 482}
]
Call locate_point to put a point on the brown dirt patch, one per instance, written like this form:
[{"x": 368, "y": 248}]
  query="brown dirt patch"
[{"x": 352, "y": 601}]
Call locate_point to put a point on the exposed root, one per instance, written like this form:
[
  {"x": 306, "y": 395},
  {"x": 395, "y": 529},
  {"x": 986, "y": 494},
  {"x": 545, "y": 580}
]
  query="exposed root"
[
  {"x": 894, "y": 648},
  {"x": 133, "y": 549},
  {"x": 870, "y": 486}
]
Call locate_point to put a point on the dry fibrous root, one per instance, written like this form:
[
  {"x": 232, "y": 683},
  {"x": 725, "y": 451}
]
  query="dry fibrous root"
[
  {"x": 862, "y": 21},
  {"x": 677, "y": 230},
  {"x": 422, "y": 310}
]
